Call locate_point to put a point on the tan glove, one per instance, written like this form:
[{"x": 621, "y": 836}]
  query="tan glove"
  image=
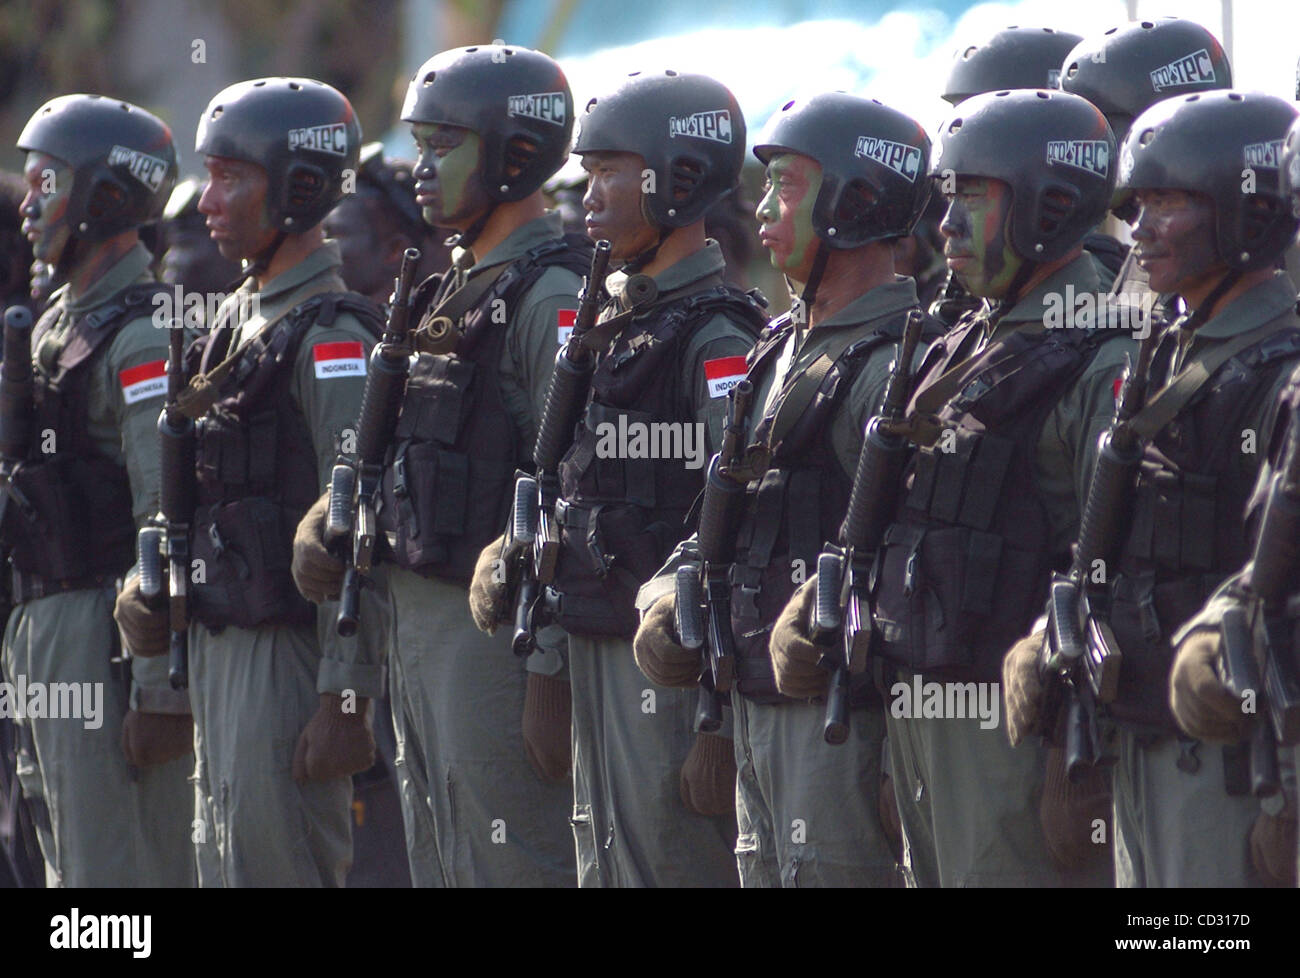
[
  {"x": 488, "y": 590},
  {"x": 156, "y": 738},
  {"x": 548, "y": 716},
  {"x": 334, "y": 744},
  {"x": 708, "y": 781},
  {"x": 664, "y": 662},
  {"x": 316, "y": 571},
  {"x": 144, "y": 632},
  {"x": 794, "y": 656},
  {"x": 1201, "y": 704},
  {"x": 1069, "y": 814},
  {"x": 1023, "y": 685},
  {"x": 1273, "y": 847}
]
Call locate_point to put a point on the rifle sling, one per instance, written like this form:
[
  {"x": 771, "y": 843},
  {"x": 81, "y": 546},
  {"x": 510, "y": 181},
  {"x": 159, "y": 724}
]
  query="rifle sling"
[
  {"x": 795, "y": 398},
  {"x": 1165, "y": 405}
]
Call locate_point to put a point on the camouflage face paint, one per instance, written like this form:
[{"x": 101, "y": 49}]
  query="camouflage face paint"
[
  {"x": 975, "y": 228},
  {"x": 234, "y": 203},
  {"x": 1174, "y": 238},
  {"x": 45, "y": 206},
  {"x": 616, "y": 187},
  {"x": 785, "y": 213},
  {"x": 449, "y": 182}
]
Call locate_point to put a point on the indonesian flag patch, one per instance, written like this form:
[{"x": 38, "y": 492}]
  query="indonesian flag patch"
[
  {"x": 723, "y": 374},
  {"x": 1117, "y": 387},
  {"x": 145, "y": 381},
  {"x": 345, "y": 359},
  {"x": 564, "y": 321}
]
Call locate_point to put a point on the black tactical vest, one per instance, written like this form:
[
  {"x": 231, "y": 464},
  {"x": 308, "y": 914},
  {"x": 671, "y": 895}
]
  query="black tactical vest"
[
  {"x": 620, "y": 517},
  {"x": 1187, "y": 532},
  {"x": 83, "y": 533},
  {"x": 448, "y": 484},
  {"x": 257, "y": 472},
  {"x": 795, "y": 507},
  {"x": 966, "y": 565}
]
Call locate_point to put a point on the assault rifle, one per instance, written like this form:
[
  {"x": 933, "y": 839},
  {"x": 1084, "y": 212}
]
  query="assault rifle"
[
  {"x": 532, "y": 546},
  {"x": 350, "y": 523},
  {"x": 168, "y": 536},
  {"x": 1269, "y": 582},
  {"x": 843, "y": 571},
  {"x": 16, "y": 406},
  {"x": 708, "y": 586},
  {"x": 1080, "y": 655}
]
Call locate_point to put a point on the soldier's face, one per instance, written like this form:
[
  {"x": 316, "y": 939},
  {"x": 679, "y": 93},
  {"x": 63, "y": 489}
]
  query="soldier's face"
[
  {"x": 615, "y": 186},
  {"x": 1174, "y": 239},
  {"x": 976, "y": 241},
  {"x": 367, "y": 263},
  {"x": 449, "y": 176},
  {"x": 45, "y": 206},
  {"x": 785, "y": 213},
  {"x": 192, "y": 259},
  {"x": 234, "y": 203}
]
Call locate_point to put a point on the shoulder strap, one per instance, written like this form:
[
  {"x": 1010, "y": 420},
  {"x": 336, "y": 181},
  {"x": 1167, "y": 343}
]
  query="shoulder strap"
[
  {"x": 1165, "y": 405},
  {"x": 94, "y": 329}
]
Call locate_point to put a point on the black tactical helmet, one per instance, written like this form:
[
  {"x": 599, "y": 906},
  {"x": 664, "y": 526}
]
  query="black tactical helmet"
[
  {"x": 1207, "y": 143},
  {"x": 184, "y": 201},
  {"x": 1046, "y": 145},
  {"x": 516, "y": 100},
  {"x": 122, "y": 158},
  {"x": 874, "y": 162},
  {"x": 1128, "y": 69},
  {"x": 687, "y": 128},
  {"x": 302, "y": 132},
  {"x": 1289, "y": 173},
  {"x": 1015, "y": 57}
]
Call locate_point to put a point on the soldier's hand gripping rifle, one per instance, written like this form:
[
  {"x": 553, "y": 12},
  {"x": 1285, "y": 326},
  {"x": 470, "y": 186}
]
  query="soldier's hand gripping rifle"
[
  {"x": 16, "y": 407},
  {"x": 843, "y": 571},
  {"x": 350, "y": 523},
  {"x": 532, "y": 544},
  {"x": 167, "y": 537},
  {"x": 703, "y": 595},
  {"x": 1269, "y": 583},
  {"x": 1080, "y": 657}
]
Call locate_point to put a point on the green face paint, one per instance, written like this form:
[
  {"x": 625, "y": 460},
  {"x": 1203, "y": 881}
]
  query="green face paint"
[
  {"x": 785, "y": 213},
  {"x": 49, "y": 191},
  {"x": 449, "y": 183},
  {"x": 977, "y": 248}
]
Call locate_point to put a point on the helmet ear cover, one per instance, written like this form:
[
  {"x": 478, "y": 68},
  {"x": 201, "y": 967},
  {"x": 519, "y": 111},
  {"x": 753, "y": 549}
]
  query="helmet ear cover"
[
  {"x": 107, "y": 200},
  {"x": 304, "y": 187},
  {"x": 1053, "y": 206}
]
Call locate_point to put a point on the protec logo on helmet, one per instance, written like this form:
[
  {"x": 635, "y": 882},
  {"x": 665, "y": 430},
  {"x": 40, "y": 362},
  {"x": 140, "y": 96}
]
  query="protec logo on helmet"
[
  {"x": 1267, "y": 155},
  {"x": 1191, "y": 69},
  {"x": 545, "y": 107},
  {"x": 715, "y": 125},
  {"x": 149, "y": 170},
  {"x": 1092, "y": 155},
  {"x": 902, "y": 159},
  {"x": 323, "y": 139}
]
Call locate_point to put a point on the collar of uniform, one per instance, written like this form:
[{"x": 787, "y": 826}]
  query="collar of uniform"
[
  {"x": 875, "y": 304},
  {"x": 1254, "y": 307},
  {"x": 689, "y": 274},
  {"x": 131, "y": 267},
  {"x": 522, "y": 240},
  {"x": 1081, "y": 274},
  {"x": 322, "y": 261}
]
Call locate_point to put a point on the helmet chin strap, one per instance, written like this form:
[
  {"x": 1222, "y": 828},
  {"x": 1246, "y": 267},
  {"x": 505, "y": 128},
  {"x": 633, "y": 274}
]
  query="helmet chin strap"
[
  {"x": 809, "y": 294},
  {"x": 465, "y": 239},
  {"x": 1014, "y": 290},
  {"x": 638, "y": 262},
  {"x": 260, "y": 263},
  {"x": 1206, "y": 309}
]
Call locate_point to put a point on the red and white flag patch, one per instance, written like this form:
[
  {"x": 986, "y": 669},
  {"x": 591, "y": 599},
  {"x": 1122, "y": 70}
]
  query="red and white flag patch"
[
  {"x": 145, "y": 381},
  {"x": 346, "y": 359},
  {"x": 1117, "y": 387},
  {"x": 723, "y": 374},
  {"x": 565, "y": 320}
]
